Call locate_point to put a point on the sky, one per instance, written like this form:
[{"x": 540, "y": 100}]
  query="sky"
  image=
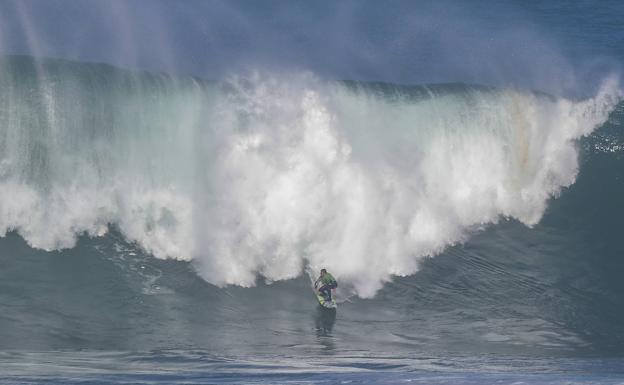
[{"x": 557, "y": 47}]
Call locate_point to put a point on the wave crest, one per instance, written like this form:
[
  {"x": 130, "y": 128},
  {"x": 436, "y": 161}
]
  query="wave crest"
[{"x": 274, "y": 174}]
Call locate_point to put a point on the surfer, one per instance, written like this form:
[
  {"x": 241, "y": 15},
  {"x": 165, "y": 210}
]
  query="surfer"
[{"x": 328, "y": 282}]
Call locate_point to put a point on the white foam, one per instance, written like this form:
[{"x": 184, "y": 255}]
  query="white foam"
[{"x": 272, "y": 174}]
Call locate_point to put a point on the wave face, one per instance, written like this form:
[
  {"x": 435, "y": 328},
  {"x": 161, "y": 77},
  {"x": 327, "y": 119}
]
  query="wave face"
[{"x": 271, "y": 175}]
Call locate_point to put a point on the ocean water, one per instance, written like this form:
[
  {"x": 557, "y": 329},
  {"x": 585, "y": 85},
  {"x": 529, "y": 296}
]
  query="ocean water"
[{"x": 166, "y": 228}]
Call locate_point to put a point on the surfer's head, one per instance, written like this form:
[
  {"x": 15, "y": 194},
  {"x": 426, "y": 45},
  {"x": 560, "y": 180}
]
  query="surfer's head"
[{"x": 323, "y": 271}]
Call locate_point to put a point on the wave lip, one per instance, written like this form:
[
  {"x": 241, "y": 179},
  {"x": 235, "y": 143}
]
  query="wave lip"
[{"x": 273, "y": 174}]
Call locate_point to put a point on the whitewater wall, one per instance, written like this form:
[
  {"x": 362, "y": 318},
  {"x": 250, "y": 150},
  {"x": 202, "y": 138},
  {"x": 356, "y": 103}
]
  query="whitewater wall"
[{"x": 271, "y": 174}]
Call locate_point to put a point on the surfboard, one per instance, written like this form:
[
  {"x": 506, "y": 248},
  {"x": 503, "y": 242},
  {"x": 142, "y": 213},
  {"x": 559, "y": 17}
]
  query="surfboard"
[{"x": 326, "y": 304}]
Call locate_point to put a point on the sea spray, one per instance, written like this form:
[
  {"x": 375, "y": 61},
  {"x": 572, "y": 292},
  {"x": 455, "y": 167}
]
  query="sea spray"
[{"x": 269, "y": 174}]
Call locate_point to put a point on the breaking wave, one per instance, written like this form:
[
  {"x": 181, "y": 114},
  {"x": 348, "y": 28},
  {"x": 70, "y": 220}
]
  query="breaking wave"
[{"x": 271, "y": 174}]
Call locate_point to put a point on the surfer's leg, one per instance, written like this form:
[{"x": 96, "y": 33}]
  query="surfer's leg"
[
  {"x": 329, "y": 290},
  {"x": 326, "y": 292}
]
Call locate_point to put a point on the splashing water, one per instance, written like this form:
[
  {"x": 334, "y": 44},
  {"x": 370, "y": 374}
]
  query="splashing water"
[{"x": 270, "y": 174}]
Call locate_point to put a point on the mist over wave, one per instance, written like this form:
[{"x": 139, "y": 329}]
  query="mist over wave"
[{"x": 272, "y": 174}]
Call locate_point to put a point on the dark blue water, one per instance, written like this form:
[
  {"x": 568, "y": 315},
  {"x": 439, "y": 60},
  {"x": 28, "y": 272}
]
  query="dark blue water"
[{"x": 137, "y": 248}]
